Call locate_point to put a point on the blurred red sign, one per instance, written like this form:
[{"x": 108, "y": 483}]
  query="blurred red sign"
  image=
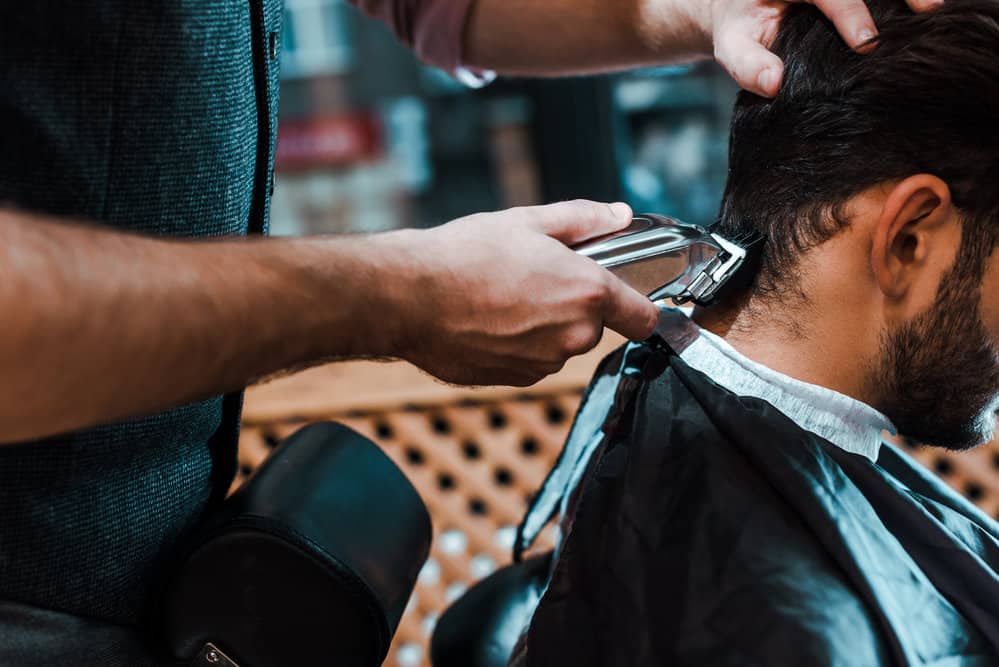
[{"x": 331, "y": 140}]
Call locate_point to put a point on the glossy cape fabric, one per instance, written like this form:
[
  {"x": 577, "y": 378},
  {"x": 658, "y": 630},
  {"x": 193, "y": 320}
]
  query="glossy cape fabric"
[{"x": 710, "y": 529}]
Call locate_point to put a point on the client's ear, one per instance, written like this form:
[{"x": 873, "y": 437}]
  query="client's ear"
[{"x": 915, "y": 240}]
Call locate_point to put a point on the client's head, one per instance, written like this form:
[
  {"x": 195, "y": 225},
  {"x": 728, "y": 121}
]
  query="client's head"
[{"x": 875, "y": 179}]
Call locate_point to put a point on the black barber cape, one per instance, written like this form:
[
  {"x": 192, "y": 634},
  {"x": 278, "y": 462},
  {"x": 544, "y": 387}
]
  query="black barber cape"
[{"x": 709, "y": 529}]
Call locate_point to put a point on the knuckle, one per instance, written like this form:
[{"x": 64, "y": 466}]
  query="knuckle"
[
  {"x": 528, "y": 378},
  {"x": 725, "y": 38},
  {"x": 552, "y": 369},
  {"x": 523, "y": 214},
  {"x": 580, "y": 339},
  {"x": 585, "y": 207},
  {"x": 731, "y": 64},
  {"x": 596, "y": 293},
  {"x": 529, "y": 213},
  {"x": 853, "y": 8},
  {"x": 845, "y": 12},
  {"x": 545, "y": 368}
]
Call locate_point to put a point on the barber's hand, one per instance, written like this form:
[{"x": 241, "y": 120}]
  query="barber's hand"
[
  {"x": 742, "y": 32},
  {"x": 498, "y": 298}
]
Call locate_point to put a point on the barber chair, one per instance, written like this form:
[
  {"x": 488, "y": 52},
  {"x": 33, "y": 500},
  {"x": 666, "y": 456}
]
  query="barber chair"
[
  {"x": 311, "y": 562},
  {"x": 483, "y": 626}
]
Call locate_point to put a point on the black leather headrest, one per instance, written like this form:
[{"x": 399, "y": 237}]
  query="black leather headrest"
[
  {"x": 311, "y": 562},
  {"x": 483, "y": 626}
]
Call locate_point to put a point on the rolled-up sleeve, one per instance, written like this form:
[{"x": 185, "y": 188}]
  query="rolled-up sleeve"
[{"x": 432, "y": 28}]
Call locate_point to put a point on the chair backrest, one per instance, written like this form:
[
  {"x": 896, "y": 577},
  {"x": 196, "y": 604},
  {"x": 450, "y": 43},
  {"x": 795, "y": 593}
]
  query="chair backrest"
[
  {"x": 482, "y": 628},
  {"x": 312, "y": 561}
]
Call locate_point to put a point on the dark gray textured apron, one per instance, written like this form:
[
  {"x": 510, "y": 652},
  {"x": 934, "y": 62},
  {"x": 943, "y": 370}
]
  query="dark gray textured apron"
[{"x": 157, "y": 117}]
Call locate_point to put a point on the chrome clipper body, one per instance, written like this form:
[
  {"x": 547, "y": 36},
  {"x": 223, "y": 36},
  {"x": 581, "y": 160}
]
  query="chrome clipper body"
[{"x": 668, "y": 259}]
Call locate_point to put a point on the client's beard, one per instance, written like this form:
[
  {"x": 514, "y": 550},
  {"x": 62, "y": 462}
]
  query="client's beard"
[{"x": 939, "y": 374}]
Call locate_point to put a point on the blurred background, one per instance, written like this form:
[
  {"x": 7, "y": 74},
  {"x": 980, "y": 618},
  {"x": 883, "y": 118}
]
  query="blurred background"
[{"x": 370, "y": 140}]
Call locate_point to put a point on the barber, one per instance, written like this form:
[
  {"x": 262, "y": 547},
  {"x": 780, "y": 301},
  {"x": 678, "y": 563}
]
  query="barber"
[
  {"x": 128, "y": 128},
  {"x": 101, "y": 326}
]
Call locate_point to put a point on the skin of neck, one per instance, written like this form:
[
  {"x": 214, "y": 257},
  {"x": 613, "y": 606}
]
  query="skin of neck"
[
  {"x": 823, "y": 337},
  {"x": 884, "y": 268}
]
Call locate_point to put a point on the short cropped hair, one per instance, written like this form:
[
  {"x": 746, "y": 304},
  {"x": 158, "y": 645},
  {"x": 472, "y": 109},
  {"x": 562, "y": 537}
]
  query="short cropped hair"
[{"x": 925, "y": 100}]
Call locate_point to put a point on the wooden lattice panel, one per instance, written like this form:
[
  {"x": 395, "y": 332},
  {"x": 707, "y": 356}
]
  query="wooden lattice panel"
[
  {"x": 475, "y": 464},
  {"x": 974, "y": 473}
]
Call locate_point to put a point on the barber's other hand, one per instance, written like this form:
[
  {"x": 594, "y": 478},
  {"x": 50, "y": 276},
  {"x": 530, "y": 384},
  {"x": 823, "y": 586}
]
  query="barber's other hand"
[
  {"x": 742, "y": 32},
  {"x": 498, "y": 298}
]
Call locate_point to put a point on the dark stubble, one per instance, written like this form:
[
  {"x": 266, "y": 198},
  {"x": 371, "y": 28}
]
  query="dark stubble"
[{"x": 939, "y": 373}]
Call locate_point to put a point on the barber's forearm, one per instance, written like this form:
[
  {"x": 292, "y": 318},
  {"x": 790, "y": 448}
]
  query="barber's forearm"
[
  {"x": 100, "y": 326},
  {"x": 527, "y": 37}
]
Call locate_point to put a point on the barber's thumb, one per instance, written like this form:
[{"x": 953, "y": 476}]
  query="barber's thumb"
[
  {"x": 573, "y": 222},
  {"x": 751, "y": 64},
  {"x": 629, "y": 312}
]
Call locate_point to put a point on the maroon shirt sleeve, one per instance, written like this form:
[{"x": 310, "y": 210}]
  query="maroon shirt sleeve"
[{"x": 432, "y": 28}]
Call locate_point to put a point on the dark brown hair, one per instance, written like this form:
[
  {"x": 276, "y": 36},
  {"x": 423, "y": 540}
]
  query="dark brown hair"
[{"x": 925, "y": 100}]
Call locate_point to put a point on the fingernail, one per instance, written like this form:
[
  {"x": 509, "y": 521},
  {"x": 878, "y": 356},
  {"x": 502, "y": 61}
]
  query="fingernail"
[
  {"x": 864, "y": 35},
  {"x": 769, "y": 79},
  {"x": 621, "y": 209}
]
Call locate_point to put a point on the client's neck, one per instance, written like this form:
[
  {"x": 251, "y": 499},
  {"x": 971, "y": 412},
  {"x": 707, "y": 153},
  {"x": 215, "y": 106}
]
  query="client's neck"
[{"x": 822, "y": 349}]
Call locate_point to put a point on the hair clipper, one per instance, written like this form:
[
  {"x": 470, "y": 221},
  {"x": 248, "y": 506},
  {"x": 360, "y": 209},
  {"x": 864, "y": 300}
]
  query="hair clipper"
[{"x": 664, "y": 258}]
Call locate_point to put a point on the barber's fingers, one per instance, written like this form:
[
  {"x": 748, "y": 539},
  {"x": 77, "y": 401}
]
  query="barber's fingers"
[
  {"x": 628, "y": 312},
  {"x": 924, "y": 5},
  {"x": 748, "y": 61},
  {"x": 852, "y": 20},
  {"x": 576, "y": 221}
]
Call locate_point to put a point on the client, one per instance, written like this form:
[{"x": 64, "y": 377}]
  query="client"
[{"x": 727, "y": 498}]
